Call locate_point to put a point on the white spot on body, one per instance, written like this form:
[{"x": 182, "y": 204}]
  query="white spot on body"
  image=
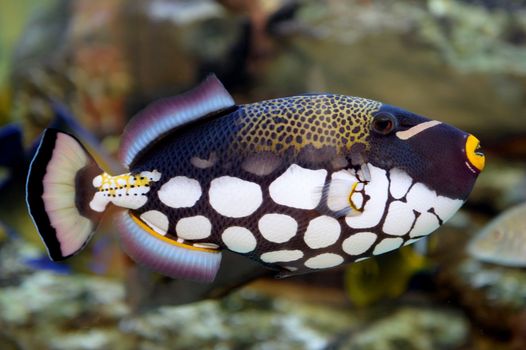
[
  {"x": 375, "y": 207},
  {"x": 411, "y": 241},
  {"x": 239, "y": 239},
  {"x": 399, "y": 220},
  {"x": 322, "y": 232},
  {"x": 324, "y": 261},
  {"x": 298, "y": 187},
  {"x": 277, "y": 228},
  {"x": 425, "y": 224},
  {"x": 421, "y": 198},
  {"x": 362, "y": 259},
  {"x": 281, "y": 256},
  {"x": 234, "y": 197},
  {"x": 99, "y": 202},
  {"x": 152, "y": 175},
  {"x": 401, "y": 217},
  {"x": 445, "y": 207},
  {"x": 357, "y": 200},
  {"x": 204, "y": 163},
  {"x": 206, "y": 245},
  {"x": 156, "y": 220},
  {"x": 118, "y": 190},
  {"x": 400, "y": 183},
  {"x": 130, "y": 202},
  {"x": 261, "y": 164},
  {"x": 358, "y": 243},
  {"x": 180, "y": 192},
  {"x": 194, "y": 227},
  {"x": 97, "y": 181},
  {"x": 387, "y": 244}
]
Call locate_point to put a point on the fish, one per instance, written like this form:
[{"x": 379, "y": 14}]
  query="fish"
[
  {"x": 298, "y": 184},
  {"x": 503, "y": 240}
]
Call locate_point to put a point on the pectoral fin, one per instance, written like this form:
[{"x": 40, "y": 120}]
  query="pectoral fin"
[{"x": 343, "y": 195}]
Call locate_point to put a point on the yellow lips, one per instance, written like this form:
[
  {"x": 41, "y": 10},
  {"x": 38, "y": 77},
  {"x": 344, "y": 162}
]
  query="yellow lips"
[{"x": 475, "y": 157}]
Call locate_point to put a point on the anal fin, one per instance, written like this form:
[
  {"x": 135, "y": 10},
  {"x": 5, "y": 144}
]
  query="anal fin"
[{"x": 165, "y": 256}]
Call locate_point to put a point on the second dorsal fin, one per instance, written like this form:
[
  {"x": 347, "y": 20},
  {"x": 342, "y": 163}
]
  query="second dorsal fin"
[{"x": 167, "y": 114}]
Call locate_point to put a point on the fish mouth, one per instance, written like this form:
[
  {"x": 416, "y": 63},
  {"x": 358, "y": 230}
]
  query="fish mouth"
[{"x": 476, "y": 158}]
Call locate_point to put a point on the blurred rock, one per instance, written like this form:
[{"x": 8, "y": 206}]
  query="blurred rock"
[
  {"x": 473, "y": 36},
  {"x": 444, "y": 60},
  {"x": 47, "y": 311},
  {"x": 78, "y": 311},
  {"x": 78, "y": 60},
  {"x": 501, "y": 185},
  {"x": 411, "y": 328},
  {"x": 381, "y": 50},
  {"x": 12, "y": 253},
  {"x": 245, "y": 320},
  {"x": 50, "y": 311},
  {"x": 493, "y": 296}
]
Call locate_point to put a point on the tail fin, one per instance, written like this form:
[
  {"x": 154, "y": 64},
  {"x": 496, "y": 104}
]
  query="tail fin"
[{"x": 58, "y": 191}]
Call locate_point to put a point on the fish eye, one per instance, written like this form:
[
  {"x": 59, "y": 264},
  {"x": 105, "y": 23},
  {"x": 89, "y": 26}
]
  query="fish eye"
[{"x": 384, "y": 123}]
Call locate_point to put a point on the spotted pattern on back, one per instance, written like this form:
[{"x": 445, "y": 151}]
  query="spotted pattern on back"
[{"x": 295, "y": 122}]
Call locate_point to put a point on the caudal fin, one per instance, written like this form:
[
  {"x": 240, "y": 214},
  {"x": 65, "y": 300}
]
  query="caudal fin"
[{"x": 58, "y": 191}]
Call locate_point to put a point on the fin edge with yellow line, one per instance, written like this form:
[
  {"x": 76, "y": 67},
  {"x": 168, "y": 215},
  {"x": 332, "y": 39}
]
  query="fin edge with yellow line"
[{"x": 170, "y": 258}]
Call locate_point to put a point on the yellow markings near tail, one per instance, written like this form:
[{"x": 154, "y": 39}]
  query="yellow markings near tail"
[{"x": 127, "y": 181}]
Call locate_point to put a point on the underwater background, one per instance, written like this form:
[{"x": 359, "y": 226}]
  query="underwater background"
[{"x": 88, "y": 66}]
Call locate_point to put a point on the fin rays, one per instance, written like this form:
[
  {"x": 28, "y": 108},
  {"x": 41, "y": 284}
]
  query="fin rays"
[
  {"x": 168, "y": 258},
  {"x": 51, "y": 194},
  {"x": 170, "y": 113}
]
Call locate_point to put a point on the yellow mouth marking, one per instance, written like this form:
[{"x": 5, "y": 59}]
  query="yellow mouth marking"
[
  {"x": 473, "y": 153},
  {"x": 147, "y": 228}
]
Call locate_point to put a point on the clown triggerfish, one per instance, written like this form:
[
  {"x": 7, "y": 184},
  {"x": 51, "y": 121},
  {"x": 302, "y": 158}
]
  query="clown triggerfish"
[{"x": 298, "y": 184}]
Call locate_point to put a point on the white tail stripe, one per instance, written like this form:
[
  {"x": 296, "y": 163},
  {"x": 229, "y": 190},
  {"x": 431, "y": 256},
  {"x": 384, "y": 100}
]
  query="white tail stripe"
[{"x": 417, "y": 129}]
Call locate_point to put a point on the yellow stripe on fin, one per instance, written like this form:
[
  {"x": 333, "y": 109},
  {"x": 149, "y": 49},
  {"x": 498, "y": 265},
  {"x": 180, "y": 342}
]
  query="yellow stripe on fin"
[{"x": 148, "y": 229}]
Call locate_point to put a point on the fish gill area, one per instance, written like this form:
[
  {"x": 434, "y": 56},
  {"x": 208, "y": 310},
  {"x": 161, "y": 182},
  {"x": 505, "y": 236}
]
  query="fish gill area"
[{"x": 87, "y": 66}]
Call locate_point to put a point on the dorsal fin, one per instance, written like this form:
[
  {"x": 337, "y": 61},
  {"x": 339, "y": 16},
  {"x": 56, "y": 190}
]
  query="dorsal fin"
[{"x": 162, "y": 116}]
